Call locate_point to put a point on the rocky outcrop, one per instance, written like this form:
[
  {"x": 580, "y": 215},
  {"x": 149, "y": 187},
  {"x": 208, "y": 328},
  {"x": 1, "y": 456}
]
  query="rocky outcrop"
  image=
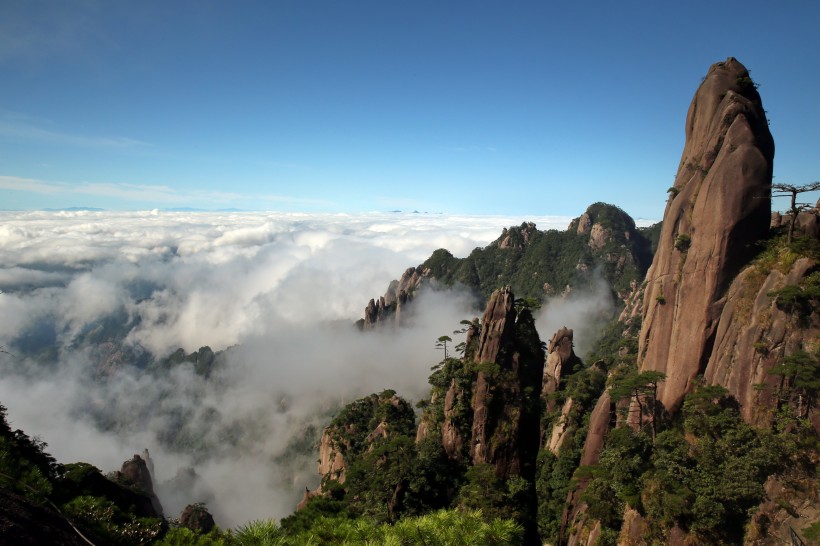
[
  {"x": 306, "y": 498},
  {"x": 719, "y": 205},
  {"x": 792, "y": 503},
  {"x": 561, "y": 429},
  {"x": 452, "y": 439},
  {"x": 808, "y": 221},
  {"x": 497, "y": 330},
  {"x": 516, "y": 238},
  {"x": 388, "y": 309},
  {"x": 600, "y": 422},
  {"x": 754, "y": 335},
  {"x": 197, "y": 518},
  {"x": 497, "y": 326},
  {"x": 135, "y": 473},
  {"x": 332, "y": 464},
  {"x": 602, "y": 242},
  {"x": 505, "y": 429},
  {"x": 560, "y": 358},
  {"x": 353, "y": 433}
]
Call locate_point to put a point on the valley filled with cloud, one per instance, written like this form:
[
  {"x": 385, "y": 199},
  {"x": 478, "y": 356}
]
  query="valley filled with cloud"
[{"x": 95, "y": 304}]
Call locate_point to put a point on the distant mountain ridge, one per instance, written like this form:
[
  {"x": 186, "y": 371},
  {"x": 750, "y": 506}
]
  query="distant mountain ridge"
[{"x": 602, "y": 243}]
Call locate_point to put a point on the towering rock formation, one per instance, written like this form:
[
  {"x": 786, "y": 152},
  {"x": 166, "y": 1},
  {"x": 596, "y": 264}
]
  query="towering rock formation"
[
  {"x": 560, "y": 359},
  {"x": 718, "y": 206},
  {"x": 135, "y": 472},
  {"x": 505, "y": 410}
]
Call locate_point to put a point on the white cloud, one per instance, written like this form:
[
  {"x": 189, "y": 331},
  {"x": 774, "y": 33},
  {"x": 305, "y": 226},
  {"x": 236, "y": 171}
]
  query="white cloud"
[{"x": 284, "y": 288}]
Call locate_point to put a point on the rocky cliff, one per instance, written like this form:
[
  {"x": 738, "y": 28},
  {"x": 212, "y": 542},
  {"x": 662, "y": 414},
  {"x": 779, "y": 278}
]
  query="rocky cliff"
[{"x": 718, "y": 207}]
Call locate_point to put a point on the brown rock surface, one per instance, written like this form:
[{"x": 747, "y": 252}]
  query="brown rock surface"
[
  {"x": 505, "y": 429},
  {"x": 560, "y": 354},
  {"x": 560, "y": 430},
  {"x": 451, "y": 438},
  {"x": 754, "y": 335},
  {"x": 600, "y": 421},
  {"x": 497, "y": 325},
  {"x": 497, "y": 330},
  {"x": 721, "y": 203},
  {"x": 135, "y": 472},
  {"x": 387, "y": 309},
  {"x": 331, "y": 460},
  {"x": 197, "y": 518}
]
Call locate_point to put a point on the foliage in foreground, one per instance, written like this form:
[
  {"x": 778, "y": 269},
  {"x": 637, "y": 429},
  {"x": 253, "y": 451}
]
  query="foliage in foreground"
[
  {"x": 703, "y": 474},
  {"x": 445, "y": 527}
]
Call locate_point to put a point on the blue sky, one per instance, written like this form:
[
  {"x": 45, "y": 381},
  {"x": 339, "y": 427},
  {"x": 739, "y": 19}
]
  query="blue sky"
[{"x": 457, "y": 107}]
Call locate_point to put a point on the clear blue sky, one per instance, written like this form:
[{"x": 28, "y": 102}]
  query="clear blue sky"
[{"x": 529, "y": 107}]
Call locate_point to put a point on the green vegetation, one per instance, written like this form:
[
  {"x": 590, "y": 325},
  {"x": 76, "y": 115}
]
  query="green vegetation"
[
  {"x": 682, "y": 242},
  {"x": 102, "y": 507},
  {"x": 529, "y": 260},
  {"x": 443, "y": 527},
  {"x": 802, "y": 372},
  {"x": 703, "y": 472},
  {"x": 800, "y": 299}
]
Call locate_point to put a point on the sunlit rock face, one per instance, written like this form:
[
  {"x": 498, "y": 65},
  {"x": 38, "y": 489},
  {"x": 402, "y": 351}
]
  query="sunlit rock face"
[{"x": 718, "y": 207}]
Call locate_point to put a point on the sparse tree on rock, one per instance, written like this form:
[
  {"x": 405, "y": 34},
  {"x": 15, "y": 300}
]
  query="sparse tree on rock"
[
  {"x": 789, "y": 190},
  {"x": 441, "y": 343}
]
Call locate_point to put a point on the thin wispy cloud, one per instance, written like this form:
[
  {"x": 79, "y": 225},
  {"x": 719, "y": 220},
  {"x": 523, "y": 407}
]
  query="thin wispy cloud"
[
  {"x": 154, "y": 195},
  {"x": 21, "y": 127}
]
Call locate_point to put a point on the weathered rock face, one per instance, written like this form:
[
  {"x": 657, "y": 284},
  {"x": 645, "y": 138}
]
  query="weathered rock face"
[
  {"x": 451, "y": 438},
  {"x": 497, "y": 327},
  {"x": 754, "y": 335},
  {"x": 357, "y": 428},
  {"x": 517, "y": 238},
  {"x": 388, "y": 308},
  {"x": 505, "y": 429},
  {"x": 719, "y": 205},
  {"x": 808, "y": 221},
  {"x": 197, "y": 518},
  {"x": 331, "y": 458},
  {"x": 600, "y": 422},
  {"x": 791, "y": 502},
  {"x": 135, "y": 472},
  {"x": 560, "y": 357},
  {"x": 560, "y": 430}
]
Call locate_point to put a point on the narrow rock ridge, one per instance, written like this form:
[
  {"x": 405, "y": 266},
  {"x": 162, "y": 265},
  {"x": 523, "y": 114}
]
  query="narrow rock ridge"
[{"x": 388, "y": 309}]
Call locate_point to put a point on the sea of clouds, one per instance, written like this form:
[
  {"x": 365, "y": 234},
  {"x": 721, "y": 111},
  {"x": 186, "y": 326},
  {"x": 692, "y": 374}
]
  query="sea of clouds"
[{"x": 279, "y": 291}]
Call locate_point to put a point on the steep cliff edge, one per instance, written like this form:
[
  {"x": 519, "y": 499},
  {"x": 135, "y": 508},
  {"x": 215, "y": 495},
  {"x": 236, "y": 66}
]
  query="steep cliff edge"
[{"x": 718, "y": 207}]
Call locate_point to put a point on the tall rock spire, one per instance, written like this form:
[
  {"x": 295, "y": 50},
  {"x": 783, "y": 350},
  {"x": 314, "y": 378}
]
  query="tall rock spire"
[{"x": 719, "y": 205}]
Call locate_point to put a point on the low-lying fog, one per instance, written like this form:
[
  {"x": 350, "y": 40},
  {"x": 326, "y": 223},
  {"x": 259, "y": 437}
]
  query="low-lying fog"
[{"x": 281, "y": 290}]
